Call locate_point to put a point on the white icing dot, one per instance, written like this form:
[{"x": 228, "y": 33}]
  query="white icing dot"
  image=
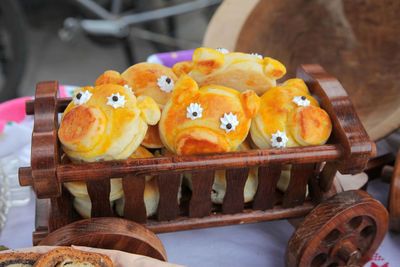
[
  {"x": 165, "y": 83},
  {"x": 301, "y": 101},
  {"x": 116, "y": 100},
  {"x": 229, "y": 122},
  {"x": 82, "y": 97},
  {"x": 222, "y": 50},
  {"x": 279, "y": 139},
  {"x": 129, "y": 88},
  {"x": 257, "y": 55},
  {"x": 194, "y": 111}
]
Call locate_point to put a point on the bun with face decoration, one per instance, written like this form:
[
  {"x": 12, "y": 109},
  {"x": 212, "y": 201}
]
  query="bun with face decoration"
[
  {"x": 206, "y": 120},
  {"x": 288, "y": 117},
  {"x": 105, "y": 122}
]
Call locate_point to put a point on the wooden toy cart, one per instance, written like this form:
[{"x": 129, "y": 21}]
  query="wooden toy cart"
[{"x": 339, "y": 228}]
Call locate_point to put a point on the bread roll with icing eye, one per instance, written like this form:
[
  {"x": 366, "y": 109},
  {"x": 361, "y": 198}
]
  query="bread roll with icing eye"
[
  {"x": 206, "y": 120},
  {"x": 105, "y": 122},
  {"x": 236, "y": 70},
  {"x": 288, "y": 117},
  {"x": 151, "y": 79},
  {"x": 155, "y": 81}
]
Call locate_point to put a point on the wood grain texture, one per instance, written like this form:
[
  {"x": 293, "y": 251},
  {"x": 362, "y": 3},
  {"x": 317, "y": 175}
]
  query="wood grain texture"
[
  {"x": 135, "y": 208},
  {"x": 268, "y": 177},
  {"x": 200, "y": 202},
  {"x": 235, "y": 181},
  {"x": 295, "y": 194},
  {"x": 44, "y": 151},
  {"x": 351, "y": 216},
  {"x": 355, "y": 40},
  {"x": 99, "y": 193},
  {"x": 108, "y": 233},
  {"x": 168, "y": 185},
  {"x": 394, "y": 197}
]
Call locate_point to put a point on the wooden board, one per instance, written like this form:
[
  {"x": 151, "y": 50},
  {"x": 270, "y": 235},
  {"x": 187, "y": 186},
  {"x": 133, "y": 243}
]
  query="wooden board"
[{"x": 356, "y": 41}]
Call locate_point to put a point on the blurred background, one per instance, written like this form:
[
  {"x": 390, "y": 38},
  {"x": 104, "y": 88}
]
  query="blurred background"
[{"x": 47, "y": 39}]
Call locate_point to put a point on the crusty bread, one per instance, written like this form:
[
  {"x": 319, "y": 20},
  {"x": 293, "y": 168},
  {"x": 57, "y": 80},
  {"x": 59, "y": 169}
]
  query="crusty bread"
[
  {"x": 65, "y": 256},
  {"x": 18, "y": 259},
  {"x": 195, "y": 121},
  {"x": 239, "y": 71}
]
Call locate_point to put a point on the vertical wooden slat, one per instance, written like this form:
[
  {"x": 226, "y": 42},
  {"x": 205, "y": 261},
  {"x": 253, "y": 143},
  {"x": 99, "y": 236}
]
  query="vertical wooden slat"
[
  {"x": 296, "y": 191},
  {"x": 327, "y": 175},
  {"x": 168, "y": 207},
  {"x": 200, "y": 203},
  {"x": 99, "y": 193},
  {"x": 314, "y": 187},
  {"x": 60, "y": 212},
  {"x": 135, "y": 208},
  {"x": 268, "y": 177},
  {"x": 235, "y": 181}
]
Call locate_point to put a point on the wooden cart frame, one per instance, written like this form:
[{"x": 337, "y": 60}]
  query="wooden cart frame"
[{"x": 348, "y": 151}]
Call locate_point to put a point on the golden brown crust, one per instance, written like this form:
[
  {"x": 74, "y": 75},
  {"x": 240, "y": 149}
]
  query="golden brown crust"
[
  {"x": 239, "y": 71},
  {"x": 183, "y": 134},
  {"x": 110, "y": 77},
  {"x": 303, "y": 125},
  {"x": 63, "y": 255},
  {"x": 310, "y": 125},
  {"x": 19, "y": 258},
  {"x": 183, "y": 67},
  {"x": 143, "y": 79}
]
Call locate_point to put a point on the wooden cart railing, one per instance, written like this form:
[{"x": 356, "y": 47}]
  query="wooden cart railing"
[{"x": 348, "y": 151}]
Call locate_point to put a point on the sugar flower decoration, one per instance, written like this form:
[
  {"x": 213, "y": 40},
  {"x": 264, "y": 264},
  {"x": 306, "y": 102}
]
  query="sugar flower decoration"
[
  {"x": 165, "y": 83},
  {"x": 229, "y": 122},
  {"x": 82, "y": 97},
  {"x": 301, "y": 101},
  {"x": 257, "y": 55},
  {"x": 194, "y": 111},
  {"x": 279, "y": 139},
  {"x": 116, "y": 100},
  {"x": 222, "y": 50},
  {"x": 129, "y": 88}
]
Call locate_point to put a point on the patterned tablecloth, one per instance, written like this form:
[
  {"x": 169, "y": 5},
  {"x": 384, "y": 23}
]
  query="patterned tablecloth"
[{"x": 259, "y": 244}]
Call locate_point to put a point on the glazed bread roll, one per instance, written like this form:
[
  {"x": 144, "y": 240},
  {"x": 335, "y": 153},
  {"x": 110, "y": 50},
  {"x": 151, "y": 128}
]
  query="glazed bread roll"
[
  {"x": 105, "y": 122},
  {"x": 155, "y": 81},
  {"x": 288, "y": 117},
  {"x": 239, "y": 71},
  {"x": 65, "y": 256},
  {"x": 206, "y": 120},
  {"x": 183, "y": 67},
  {"x": 151, "y": 79}
]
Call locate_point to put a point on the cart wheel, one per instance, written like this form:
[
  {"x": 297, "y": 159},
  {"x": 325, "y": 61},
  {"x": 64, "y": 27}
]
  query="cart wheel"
[
  {"x": 343, "y": 230},
  {"x": 109, "y": 233}
]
